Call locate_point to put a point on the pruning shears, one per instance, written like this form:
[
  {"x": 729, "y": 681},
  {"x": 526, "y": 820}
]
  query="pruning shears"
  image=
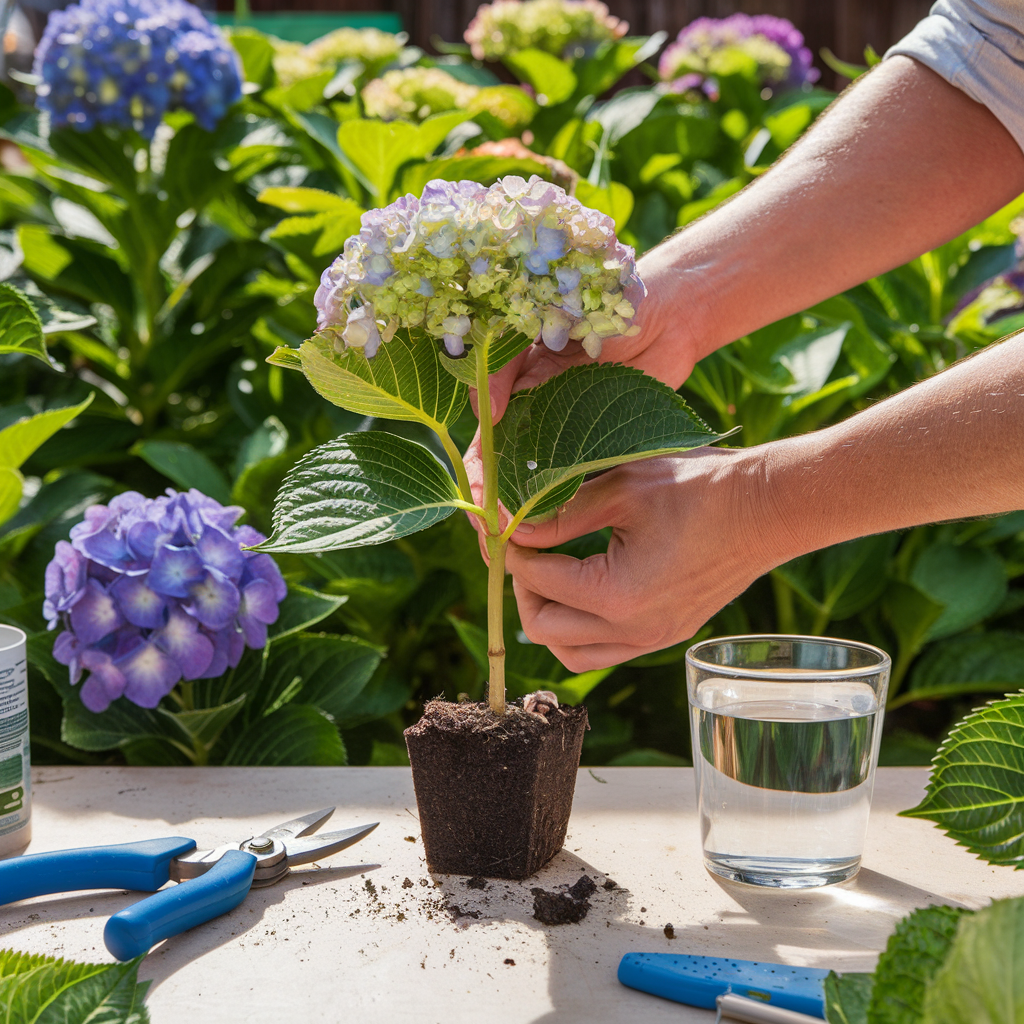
[{"x": 213, "y": 881}]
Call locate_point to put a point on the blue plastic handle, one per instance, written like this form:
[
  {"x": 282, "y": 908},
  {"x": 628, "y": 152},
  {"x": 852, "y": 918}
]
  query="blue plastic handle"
[
  {"x": 140, "y": 866},
  {"x": 134, "y": 930},
  {"x": 697, "y": 980}
]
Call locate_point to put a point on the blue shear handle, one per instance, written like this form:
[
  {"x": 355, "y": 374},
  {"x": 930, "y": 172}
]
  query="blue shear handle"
[
  {"x": 134, "y": 930},
  {"x": 141, "y": 866}
]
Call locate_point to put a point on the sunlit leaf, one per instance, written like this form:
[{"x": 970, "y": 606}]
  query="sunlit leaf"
[{"x": 20, "y": 327}]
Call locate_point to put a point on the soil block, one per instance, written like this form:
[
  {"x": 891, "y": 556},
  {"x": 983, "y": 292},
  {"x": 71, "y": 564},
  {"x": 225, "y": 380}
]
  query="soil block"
[{"x": 494, "y": 794}]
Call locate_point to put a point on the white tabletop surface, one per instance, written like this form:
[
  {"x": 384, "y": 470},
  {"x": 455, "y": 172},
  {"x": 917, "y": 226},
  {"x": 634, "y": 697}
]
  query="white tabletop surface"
[{"x": 351, "y": 942}]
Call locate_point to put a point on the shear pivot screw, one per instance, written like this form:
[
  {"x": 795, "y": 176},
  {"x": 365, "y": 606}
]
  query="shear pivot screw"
[{"x": 261, "y": 844}]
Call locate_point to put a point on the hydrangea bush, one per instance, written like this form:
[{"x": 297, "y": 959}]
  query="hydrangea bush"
[
  {"x": 432, "y": 296},
  {"x": 153, "y": 591},
  {"x": 565, "y": 28},
  {"x": 371, "y": 47},
  {"x": 775, "y": 44},
  {"x": 126, "y": 63}
]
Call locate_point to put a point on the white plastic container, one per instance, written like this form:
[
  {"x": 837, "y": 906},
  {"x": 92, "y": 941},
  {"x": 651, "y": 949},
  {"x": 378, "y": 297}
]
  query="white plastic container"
[{"x": 15, "y": 782}]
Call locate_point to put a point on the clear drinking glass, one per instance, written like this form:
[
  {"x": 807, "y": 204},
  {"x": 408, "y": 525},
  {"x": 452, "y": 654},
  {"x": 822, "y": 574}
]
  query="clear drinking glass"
[{"x": 785, "y": 743}]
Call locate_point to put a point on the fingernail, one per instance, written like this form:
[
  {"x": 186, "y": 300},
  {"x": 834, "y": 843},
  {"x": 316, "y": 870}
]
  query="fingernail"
[{"x": 525, "y": 528}]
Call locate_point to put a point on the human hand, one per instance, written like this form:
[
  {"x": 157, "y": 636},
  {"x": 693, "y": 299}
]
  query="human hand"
[{"x": 690, "y": 533}]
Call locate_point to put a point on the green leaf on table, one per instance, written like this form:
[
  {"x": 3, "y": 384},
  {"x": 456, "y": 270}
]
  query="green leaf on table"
[
  {"x": 36, "y": 989},
  {"x": 184, "y": 465},
  {"x": 847, "y": 997},
  {"x": 297, "y": 734},
  {"x": 969, "y": 581},
  {"x": 325, "y": 670},
  {"x": 362, "y": 488},
  {"x": 403, "y": 381},
  {"x": 587, "y": 419},
  {"x": 981, "y": 979},
  {"x": 20, "y": 327},
  {"x": 976, "y": 789},
  {"x": 301, "y": 609},
  {"x": 379, "y": 148},
  {"x": 21, "y": 439},
  {"x": 914, "y": 952},
  {"x": 991, "y": 662},
  {"x": 551, "y": 78}
]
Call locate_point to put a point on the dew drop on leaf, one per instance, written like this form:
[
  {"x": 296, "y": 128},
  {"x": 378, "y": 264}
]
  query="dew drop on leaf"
[{"x": 530, "y": 464}]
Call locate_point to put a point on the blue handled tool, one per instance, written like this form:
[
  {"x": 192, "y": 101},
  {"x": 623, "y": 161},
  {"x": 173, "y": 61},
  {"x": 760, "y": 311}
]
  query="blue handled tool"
[
  {"x": 214, "y": 881},
  {"x": 699, "y": 980}
]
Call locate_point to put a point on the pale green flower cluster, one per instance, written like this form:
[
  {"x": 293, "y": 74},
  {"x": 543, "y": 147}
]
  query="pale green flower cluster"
[
  {"x": 464, "y": 260},
  {"x": 565, "y": 28},
  {"x": 294, "y": 62},
  {"x": 415, "y": 93}
]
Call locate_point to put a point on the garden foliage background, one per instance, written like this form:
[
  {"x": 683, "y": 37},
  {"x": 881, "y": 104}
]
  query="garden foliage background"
[{"x": 151, "y": 283}]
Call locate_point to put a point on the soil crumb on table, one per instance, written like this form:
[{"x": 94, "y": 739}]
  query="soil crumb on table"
[
  {"x": 569, "y": 907},
  {"x": 476, "y": 883},
  {"x": 670, "y": 932}
]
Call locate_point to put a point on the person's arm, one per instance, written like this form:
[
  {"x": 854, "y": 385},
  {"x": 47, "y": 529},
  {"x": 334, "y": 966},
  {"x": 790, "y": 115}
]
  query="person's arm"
[
  {"x": 901, "y": 163},
  {"x": 693, "y": 532}
]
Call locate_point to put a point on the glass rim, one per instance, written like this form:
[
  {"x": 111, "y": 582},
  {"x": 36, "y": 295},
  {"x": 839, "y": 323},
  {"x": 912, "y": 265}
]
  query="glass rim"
[
  {"x": 21, "y": 637},
  {"x": 802, "y": 675}
]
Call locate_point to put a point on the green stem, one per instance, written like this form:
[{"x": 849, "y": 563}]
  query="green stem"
[
  {"x": 453, "y": 453},
  {"x": 495, "y": 543}
]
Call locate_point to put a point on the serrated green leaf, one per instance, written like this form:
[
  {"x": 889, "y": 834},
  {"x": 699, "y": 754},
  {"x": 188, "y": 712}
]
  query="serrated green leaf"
[
  {"x": 307, "y": 200},
  {"x": 982, "y": 979},
  {"x": 847, "y": 997},
  {"x": 914, "y": 952},
  {"x": 301, "y": 609},
  {"x": 551, "y": 78},
  {"x": 45, "y": 990},
  {"x": 21, "y": 439},
  {"x": 20, "y": 327},
  {"x": 204, "y": 725},
  {"x": 587, "y": 419},
  {"x": 184, "y": 465},
  {"x": 362, "y": 488},
  {"x": 990, "y": 662},
  {"x": 331, "y": 671},
  {"x": 297, "y": 734},
  {"x": 976, "y": 789},
  {"x": 403, "y": 381}
]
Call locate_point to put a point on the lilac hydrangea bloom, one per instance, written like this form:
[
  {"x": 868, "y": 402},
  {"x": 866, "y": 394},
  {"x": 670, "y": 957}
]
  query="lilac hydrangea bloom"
[
  {"x": 775, "y": 43},
  {"x": 464, "y": 260},
  {"x": 127, "y": 62},
  {"x": 152, "y": 591}
]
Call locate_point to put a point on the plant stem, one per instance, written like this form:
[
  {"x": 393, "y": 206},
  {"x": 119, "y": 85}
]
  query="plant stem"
[
  {"x": 453, "y": 453},
  {"x": 495, "y": 543}
]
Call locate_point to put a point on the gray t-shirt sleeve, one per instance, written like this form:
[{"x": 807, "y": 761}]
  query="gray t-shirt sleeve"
[{"x": 978, "y": 46}]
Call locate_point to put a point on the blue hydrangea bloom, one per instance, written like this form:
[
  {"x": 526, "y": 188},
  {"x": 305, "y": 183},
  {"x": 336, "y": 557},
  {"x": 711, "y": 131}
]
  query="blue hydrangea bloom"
[
  {"x": 127, "y": 62},
  {"x": 152, "y": 591}
]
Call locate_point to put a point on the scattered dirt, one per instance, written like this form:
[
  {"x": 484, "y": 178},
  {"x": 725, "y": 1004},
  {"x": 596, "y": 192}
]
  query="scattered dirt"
[
  {"x": 609, "y": 884},
  {"x": 476, "y": 883},
  {"x": 569, "y": 907},
  {"x": 670, "y": 932},
  {"x": 407, "y": 883},
  {"x": 510, "y": 961},
  {"x": 370, "y": 888},
  {"x": 410, "y": 839}
]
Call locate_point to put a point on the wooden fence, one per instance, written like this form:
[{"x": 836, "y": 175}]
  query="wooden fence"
[{"x": 844, "y": 26}]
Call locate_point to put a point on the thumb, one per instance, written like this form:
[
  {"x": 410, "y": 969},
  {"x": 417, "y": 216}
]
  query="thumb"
[
  {"x": 502, "y": 382},
  {"x": 597, "y": 504}
]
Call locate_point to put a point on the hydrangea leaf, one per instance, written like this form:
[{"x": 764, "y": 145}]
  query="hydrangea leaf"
[
  {"x": 551, "y": 78},
  {"x": 500, "y": 351},
  {"x": 303, "y": 608},
  {"x": 847, "y": 997},
  {"x": 976, "y": 789},
  {"x": 184, "y": 465},
  {"x": 21, "y": 439},
  {"x": 914, "y": 952},
  {"x": 403, "y": 381},
  {"x": 297, "y": 734},
  {"x": 20, "y": 327},
  {"x": 980, "y": 980},
  {"x": 11, "y": 485},
  {"x": 37, "y": 988},
  {"x": 587, "y": 419},
  {"x": 362, "y": 488}
]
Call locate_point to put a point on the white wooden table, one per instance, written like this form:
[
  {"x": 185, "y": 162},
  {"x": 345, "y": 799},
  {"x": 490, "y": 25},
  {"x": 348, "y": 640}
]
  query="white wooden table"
[{"x": 354, "y": 942}]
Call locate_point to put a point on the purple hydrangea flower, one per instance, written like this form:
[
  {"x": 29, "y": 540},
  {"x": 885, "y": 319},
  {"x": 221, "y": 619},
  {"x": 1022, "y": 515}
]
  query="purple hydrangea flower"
[
  {"x": 775, "y": 43},
  {"x": 464, "y": 259},
  {"x": 152, "y": 591},
  {"x": 127, "y": 62}
]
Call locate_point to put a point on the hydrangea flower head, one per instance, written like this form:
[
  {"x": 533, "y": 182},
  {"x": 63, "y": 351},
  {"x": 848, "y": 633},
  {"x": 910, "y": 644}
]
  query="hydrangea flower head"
[
  {"x": 127, "y": 62},
  {"x": 565, "y": 28},
  {"x": 464, "y": 259},
  {"x": 152, "y": 591},
  {"x": 416, "y": 93},
  {"x": 373, "y": 48},
  {"x": 776, "y": 44}
]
